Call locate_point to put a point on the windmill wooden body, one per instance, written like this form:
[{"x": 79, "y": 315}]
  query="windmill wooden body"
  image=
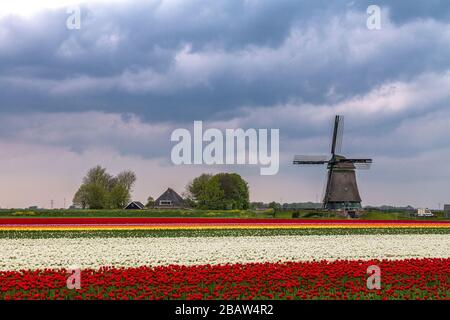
[{"x": 341, "y": 192}]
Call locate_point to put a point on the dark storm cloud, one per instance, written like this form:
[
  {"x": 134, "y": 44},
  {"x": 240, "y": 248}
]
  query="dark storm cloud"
[{"x": 304, "y": 51}]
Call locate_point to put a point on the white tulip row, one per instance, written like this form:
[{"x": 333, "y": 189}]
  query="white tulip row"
[{"x": 96, "y": 252}]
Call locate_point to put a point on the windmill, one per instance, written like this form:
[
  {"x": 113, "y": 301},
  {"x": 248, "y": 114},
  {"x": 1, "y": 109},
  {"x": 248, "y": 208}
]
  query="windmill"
[{"x": 341, "y": 191}]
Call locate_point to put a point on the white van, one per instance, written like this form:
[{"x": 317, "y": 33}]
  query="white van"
[{"x": 424, "y": 213}]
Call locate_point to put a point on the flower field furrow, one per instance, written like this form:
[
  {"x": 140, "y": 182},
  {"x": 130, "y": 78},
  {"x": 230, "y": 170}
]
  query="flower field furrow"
[
  {"x": 214, "y": 221},
  {"x": 211, "y": 258},
  {"x": 209, "y": 232},
  {"x": 403, "y": 279},
  {"x": 197, "y": 227},
  {"x": 93, "y": 224},
  {"x": 125, "y": 252}
]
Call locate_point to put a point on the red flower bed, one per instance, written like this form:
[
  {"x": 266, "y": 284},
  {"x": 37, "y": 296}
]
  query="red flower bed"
[
  {"x": 121, "y": 221},
  {"x": 404, "y": 279}
]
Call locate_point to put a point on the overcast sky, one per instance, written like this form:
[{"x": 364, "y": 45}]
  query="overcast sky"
[{"x": 112, "y": 92}]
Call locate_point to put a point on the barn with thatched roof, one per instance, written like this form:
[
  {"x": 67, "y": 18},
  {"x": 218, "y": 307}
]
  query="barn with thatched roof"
[{"x": 169, "y": 199}]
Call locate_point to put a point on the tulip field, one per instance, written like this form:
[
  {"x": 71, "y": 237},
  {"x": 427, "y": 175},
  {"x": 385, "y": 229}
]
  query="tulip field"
[{"x": 223, "y": 258}]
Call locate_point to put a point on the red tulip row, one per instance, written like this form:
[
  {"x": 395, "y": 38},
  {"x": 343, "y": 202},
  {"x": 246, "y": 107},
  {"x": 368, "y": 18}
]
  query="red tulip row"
[
  {"x": 402, "y": 279},
  {"x": 140, "y": 220}
]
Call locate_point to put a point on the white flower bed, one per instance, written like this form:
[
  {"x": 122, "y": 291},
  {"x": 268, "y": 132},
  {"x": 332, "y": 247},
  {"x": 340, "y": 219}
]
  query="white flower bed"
[{"x": 95, "y": 252}]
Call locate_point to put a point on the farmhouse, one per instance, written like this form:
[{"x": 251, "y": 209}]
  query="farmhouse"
[
  {"x": 134, "y": 205},
  {"x": 169, "y": 199}
]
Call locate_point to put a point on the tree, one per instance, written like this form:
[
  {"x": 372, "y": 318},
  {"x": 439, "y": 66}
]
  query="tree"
[
  {"x": 119, "y": 196},
  {"x": 127, "y": 179},
  {"x": 100, "y": 190},
  {"x": 150, "y": 202},
  {"x": 120, "y": 189},
  {"x": 80, "y": 198},
  {"x": 235, "y": 190},
  {"x": 196, "y": 190},
  {"x": 256, "y": 205},
  {"x": 98, "y": 176},
  {"x": 213, "y": 196},
  {"x": 189, "y": 201},
  {"x": 97, "y": 196},
  {"x": 275, "y": 206},
  {"x": 221, "y": 191}
]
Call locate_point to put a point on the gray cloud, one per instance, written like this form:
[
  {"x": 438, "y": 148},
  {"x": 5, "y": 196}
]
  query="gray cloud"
[
  {"x": 198, "y": 60},
  {"x": 137, "y": 70}
]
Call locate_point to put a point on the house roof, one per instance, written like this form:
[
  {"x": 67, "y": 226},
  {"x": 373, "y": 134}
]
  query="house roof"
[
  {"x": 171, "y": 195},
  {"x": 137, "y": 203}
]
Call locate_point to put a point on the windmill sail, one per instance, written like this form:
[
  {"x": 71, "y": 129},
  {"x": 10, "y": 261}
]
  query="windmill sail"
[
  {"x": 306, "y": 159},
  {"x": 338, "y": 131}
]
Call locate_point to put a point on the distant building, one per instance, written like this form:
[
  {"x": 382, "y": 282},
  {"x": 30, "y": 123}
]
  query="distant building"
[
  {"x": 447, "y": 210},
  {"x": 134, "y": 205},
  {"x": 169, "y": 199},
  {"x": 33, "y": 207},
  {"x": 260, "y": 209},
  {"x": 390, "y": 208}
]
